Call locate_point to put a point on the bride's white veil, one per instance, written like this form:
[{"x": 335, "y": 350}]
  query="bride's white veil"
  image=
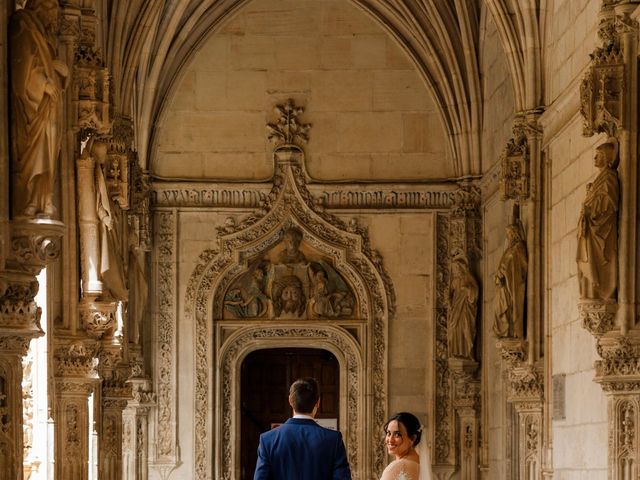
[{"x": 425, "y": 460}]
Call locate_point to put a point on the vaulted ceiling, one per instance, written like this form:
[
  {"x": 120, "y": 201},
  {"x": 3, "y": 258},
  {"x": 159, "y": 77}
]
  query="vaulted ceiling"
[{"x": 149, "y": 42}]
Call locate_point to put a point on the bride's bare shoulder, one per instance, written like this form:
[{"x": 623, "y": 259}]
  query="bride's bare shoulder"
[{"x": 402, "y": 469}]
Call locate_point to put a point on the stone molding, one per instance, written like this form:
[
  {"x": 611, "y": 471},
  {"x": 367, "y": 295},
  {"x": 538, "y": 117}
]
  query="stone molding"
[
  {"x": 443, "y": 433},
  {"x": 344, "y": 197},
  {"x": 331, "y": 338},
  {"x": 165, "y": 231}
]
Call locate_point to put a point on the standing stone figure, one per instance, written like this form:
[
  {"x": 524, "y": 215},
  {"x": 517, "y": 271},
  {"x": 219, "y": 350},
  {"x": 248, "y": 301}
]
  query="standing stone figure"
[
  {"x": 37, "y": 82},
  {"x": 111, "y": 260},
  {"x": 463, "y": 306},
  {"x": 510, "y": 280},
  {"x": 597, "y": 255}
]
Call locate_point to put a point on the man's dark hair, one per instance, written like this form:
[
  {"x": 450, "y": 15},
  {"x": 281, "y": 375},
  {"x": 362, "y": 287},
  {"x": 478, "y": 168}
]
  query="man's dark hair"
[{"x": 304, "y": 394}]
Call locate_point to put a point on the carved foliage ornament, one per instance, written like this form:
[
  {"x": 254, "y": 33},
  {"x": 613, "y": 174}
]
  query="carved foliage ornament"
[
  {"x": 287, "y": 130},
  {"x": 98, "y": 318},
  {"x": 76, "y": 360},
  {"x": 34, "y": 243},
  {"x": 166, "y": 330},
  {"x": 525, "y": 384},
  {"x": 18, "y": 309},
  {"x": 443, "y": 433}
]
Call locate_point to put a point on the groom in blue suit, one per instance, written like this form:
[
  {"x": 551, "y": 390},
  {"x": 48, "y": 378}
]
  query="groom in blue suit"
[{"x": 300, "y": 449}]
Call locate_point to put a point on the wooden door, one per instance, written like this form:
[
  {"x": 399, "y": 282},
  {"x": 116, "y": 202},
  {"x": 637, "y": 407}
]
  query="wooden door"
[{"x": 266, "y": 377}]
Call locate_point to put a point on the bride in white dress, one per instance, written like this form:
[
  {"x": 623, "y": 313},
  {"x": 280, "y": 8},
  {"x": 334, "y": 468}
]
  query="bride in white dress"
[{"x": 402, "y": 438}]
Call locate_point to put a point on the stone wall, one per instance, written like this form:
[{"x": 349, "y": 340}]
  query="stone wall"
[
  {"x": 579, "y": 440},
  {"x": 372, "y": 115}
]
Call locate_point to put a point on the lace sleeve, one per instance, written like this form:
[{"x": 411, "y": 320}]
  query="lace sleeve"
[{"x": 401, "y": 470}]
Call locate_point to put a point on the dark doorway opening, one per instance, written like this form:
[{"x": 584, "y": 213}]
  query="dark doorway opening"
[{"x": 266, "y": 377}]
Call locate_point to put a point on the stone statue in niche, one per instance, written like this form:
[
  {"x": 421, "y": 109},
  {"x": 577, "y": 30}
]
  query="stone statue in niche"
[
  {"x": 111, "y": 261},
  {"x": 289, "y": 283},
  {"x": 597, "y": 254},
  {"x": 463, "y": 306},
  {"x": 38, "y": 79},
  {"x": 510, "y": 280}
]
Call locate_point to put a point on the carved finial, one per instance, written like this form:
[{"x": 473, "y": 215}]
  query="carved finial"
[{"x": 287, "y": 130}]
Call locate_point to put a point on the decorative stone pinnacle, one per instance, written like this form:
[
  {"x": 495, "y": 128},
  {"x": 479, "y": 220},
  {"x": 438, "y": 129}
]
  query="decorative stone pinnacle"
[{"x": 287, "y": 130}]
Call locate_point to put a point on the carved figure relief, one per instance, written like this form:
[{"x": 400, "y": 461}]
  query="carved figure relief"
[
  {"x": 597, "y": 255},
  {"x": 111, "y": 261},
  {"x": 463, "y": 302},
  {"x": 510, "y": 280},
  {"x": 38, "y": 79},
  {"x": 289, "y": 283}
]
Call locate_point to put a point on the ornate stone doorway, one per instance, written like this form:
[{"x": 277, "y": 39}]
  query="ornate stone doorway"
[{"x": 265, "y": 379}]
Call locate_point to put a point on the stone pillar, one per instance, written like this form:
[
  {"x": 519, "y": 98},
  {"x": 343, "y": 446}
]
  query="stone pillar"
[
  {"x": 33, "y": 244},
  {"x": 521, "y": 182},
  {"x": 525, "y": 391},
  {"x": 135, "y": 440},
  {"x": 460, "y": 372},
  {"x": 75, "y": 379},
  {"x": 466, "y": 388},
  {"x": 115, "y": 394},
  {"x": 88, "y": 224},
  {"x": 17, "y": 309},
  {"x": 612, "y": 80}
]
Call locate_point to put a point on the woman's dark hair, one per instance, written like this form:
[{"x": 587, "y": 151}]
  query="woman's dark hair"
[{"x": 410, "y": 422}]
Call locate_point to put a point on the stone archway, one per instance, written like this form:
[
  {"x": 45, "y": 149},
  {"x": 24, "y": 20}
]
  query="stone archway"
[{"x": 331, "y": 338}]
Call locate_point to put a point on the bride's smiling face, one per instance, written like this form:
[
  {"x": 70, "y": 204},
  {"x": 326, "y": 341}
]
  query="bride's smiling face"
[{"x": 397, "y": 440}]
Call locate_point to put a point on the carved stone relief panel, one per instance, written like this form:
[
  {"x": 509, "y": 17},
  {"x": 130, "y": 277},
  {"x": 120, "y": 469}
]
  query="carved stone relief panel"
[
  {"x": 444, "y": 431},
  {"x": 165, "y": 379},
  {"x": 290, "y": 280}
]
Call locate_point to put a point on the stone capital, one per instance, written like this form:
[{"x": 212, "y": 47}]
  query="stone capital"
[
  {"x": 33, "y": 244},
  {"x": 75, "y": 362},
  {"x": 466, "y": 385},
  {"x": 526, "y": 386},
  {"x": 618, "y": 370}
]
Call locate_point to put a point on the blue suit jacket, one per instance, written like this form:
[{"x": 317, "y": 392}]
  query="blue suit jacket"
[{"x": 300, "y": 449}]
